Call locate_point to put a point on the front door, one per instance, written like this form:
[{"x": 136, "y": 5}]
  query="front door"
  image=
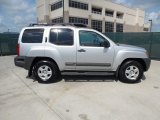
[{"x": 91, "y": 53}]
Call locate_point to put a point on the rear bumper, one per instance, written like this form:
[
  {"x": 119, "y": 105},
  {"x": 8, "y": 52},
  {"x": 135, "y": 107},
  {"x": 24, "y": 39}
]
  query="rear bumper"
[
  {"x": 148, "y": 63},
  {"x": 24, "y": 62},
  {"x": 19, "y": 61}
]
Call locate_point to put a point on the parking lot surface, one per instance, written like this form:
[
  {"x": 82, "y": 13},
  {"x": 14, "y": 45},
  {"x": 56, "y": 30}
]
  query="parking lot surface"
[{"x": 77, "y": 97}]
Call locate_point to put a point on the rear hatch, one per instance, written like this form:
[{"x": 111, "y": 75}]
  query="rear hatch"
[{"x": 29, "y": 38}]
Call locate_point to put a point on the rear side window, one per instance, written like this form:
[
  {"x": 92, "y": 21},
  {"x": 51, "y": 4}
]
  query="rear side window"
[
  {"x": 32, "y": 36},
  {"x": 61, "y": 36}
]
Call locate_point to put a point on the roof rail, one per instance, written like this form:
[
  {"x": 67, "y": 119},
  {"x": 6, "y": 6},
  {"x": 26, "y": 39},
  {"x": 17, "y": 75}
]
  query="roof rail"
[
  {"x": 61, "y": 24},
  {"x": 39, "y": 24}
]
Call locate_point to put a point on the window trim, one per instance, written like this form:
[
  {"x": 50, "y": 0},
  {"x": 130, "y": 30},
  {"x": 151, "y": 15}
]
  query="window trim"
[
  {"x": 61, "y": 45},
  {"x": 96, "y": 34}
]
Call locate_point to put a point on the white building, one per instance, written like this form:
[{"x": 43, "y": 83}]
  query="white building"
[{"x": 103, "y": 15}]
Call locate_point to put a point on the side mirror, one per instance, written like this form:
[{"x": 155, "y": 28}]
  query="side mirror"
[{"x": 106, "y": 44}]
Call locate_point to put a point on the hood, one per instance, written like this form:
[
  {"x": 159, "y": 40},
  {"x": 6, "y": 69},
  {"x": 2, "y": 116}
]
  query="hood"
[{"x": 124, "y": 46}]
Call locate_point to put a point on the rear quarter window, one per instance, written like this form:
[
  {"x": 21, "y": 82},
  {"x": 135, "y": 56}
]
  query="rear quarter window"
[
  {"x": 62, "y": 36},
  {"x": 32, "y": 36}
]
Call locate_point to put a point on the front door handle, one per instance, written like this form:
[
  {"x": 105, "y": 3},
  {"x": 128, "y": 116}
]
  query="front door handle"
[{"x": 81, "y": 50}]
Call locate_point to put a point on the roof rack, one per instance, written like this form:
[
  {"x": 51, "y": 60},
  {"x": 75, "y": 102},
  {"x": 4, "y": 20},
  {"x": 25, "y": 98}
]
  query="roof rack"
[{"x": 62, "y": 24}]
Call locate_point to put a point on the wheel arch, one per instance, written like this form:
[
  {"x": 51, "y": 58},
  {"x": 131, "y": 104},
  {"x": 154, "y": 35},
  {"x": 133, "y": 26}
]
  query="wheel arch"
[
  {"x": 140, "y": 60},
  {"x": 37, "y": 59}
]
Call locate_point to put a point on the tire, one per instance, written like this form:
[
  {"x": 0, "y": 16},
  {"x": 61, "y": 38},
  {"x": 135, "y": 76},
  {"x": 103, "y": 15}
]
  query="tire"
[
  {"x": 131, "y": 72},
  {"x": 46, "y": 72}
]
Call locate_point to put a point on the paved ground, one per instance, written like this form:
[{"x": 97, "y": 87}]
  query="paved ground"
[{"x": 24, "y": 99}]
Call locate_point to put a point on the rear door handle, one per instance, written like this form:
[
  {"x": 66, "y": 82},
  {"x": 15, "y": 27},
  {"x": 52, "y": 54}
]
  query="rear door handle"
[{"x": 81, "y": 50}]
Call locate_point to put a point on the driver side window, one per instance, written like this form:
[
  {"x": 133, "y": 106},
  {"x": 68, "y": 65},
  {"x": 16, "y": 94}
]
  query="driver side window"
[{"x": 89, "y": 38}]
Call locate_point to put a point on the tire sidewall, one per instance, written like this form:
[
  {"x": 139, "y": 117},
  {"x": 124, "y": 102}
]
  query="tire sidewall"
[
  {"x": 123, "y": 68},
  {"x": 53, "y": 68}
]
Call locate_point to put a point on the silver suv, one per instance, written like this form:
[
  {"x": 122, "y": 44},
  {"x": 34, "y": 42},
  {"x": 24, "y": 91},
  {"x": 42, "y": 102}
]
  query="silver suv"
[{"x": 46, "y": 51}]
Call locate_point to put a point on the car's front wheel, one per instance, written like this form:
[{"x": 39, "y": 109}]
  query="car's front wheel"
[
  {"x": 46, "y": 71},
  {"x": 131, "y": 72}
]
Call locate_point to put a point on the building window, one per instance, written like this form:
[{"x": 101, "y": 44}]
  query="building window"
[
  {"x": 97, "y": 25},
  {"x": 109, "y": 27},
  {"x": 58, "y": 20},
  {"x": 97, "y": 10},
  {"x": 56, "y": 5},
  {"x": 79, "y": 5},
  {"x": 109, "y": 13},
  {"x": 78, "y": 20},
  {"x": 146, "y": 29},
  {"x": 61, "y": 36},
  {"x": 120, "y": 15},
  {"x": 119, "y": 27}
]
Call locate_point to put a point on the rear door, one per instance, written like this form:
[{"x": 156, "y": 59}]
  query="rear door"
[{"x": 62, "y": 45}]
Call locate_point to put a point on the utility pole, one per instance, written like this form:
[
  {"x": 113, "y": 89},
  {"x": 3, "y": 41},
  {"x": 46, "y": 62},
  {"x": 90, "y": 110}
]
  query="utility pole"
[
  {"x": 63, "y": 12},
  {"x": 150, "y": 25},
  {"x": 150, "y": 47}
]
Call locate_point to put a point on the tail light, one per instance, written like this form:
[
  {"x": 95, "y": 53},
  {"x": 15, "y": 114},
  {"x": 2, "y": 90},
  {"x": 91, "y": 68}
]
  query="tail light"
[{"x": 18, "y": 49}]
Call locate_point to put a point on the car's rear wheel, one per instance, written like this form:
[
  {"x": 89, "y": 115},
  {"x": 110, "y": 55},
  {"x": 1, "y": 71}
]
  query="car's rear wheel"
[
  {"x": 46, "y": 71},
  {"x": 131, "y": 72}
]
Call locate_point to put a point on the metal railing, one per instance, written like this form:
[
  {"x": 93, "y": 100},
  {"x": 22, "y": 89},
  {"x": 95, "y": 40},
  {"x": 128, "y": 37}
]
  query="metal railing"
[
  {"x": 149, "y": 41},
  {"x": 8, "y": 43}
]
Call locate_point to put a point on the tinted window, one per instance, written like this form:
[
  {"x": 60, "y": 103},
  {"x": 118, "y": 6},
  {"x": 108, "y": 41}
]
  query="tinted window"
[
  {"x": 58, "y": 20},
  {"x": 88, "y": 38},
  {"x": 97, "y": 25},
  {"x": 79, "y": 5},
  {"x": 61, "y": 36},
  {"x": 78, "y": 20},
  {"x": 32, "y": 36},
  {"x": 119, "y": 27},
  {"x": 56, "y": 5},
  {"x": 109, "y": 27}
]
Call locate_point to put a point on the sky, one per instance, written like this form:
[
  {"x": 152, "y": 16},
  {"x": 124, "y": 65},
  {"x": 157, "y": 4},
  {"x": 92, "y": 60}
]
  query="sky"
[
  {"x": 15, "y": 14},
  {"x": 151, "y": 8}
]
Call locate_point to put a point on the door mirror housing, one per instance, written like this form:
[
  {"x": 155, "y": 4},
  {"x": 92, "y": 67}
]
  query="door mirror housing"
[{"x": 106, "y": 44}]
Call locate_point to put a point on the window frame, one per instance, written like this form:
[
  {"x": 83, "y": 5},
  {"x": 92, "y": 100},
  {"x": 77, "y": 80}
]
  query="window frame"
[
  {"x": 96, "y": 34},
  {"x": 57, "y": 36}
]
